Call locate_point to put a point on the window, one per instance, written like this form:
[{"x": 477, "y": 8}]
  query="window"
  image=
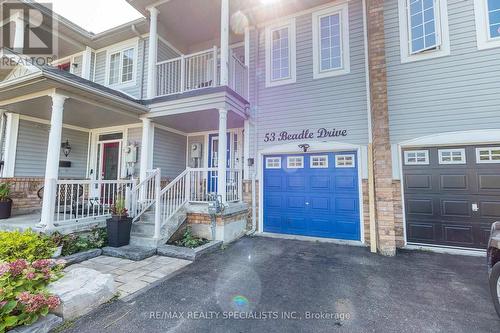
[
  {"x": 488, "y": 155},
  {"x": 423, "y": 26},
  {"x": 280, "y": 54},
  {"x": 295, "y": 162},
  {"x": 487, "y": 14},
  {"x": 273, "y": 162},
  {"x": 319, "y": 162},
  {"x": 452, "y": 156},
  {"x": 121, "y": 66},
  {"x": 344, "y": 161},
  {"x": 331, "y": 42},
  {"x": 416, "y": 157}
]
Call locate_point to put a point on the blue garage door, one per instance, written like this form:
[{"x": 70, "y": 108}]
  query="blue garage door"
[{"x": 312, "y": 195}]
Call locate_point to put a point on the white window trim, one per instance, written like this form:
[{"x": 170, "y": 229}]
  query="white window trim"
[
  {"x": 301, "y": 158},
  {"x": 273, "y": 158},
  {"x": 290, "y": 24},
  {"x": 119, "y": 49},
  {"x": 344, "y": 35},
  {"x": 406, "y": 162},
  {"x": 482, "y": 29},
  {"x": 441, "y": 27},
  {"x": 478, "y": 161},
  {"x": 318, "y": 166},
  {"x": 353, "y": 165},
  {"x": 461, "y": 150}
]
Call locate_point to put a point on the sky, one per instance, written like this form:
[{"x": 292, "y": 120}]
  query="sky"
[{"x": 95, "y": 15}]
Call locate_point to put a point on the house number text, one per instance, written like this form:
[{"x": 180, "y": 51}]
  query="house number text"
[{"x": 321, "y": 133}]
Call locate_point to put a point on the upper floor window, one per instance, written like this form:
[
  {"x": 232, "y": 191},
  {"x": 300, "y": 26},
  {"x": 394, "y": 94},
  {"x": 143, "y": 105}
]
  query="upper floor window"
[
  {"x": 331, "y": 41},
  {"x": 280, "y": 54},
  {"x": 121, "y": 66},
  {"x": 487, "y": 14},
  {"x": 423, "y": 29}
]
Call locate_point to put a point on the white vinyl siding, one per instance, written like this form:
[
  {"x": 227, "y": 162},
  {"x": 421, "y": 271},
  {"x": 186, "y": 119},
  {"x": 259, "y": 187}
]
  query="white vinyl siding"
[
  {"x": 417, "y": 157},
  {"x": 331, "y": 42},
  {"x": 423, "y": 29},
  {"x": 280, "y": 54},
  {"x": 452, "y": 156}
]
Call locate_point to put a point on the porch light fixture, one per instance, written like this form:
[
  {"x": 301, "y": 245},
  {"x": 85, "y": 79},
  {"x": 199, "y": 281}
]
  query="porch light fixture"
[
  {"x": 305, "y": 147},
  {"x": 66, "y": 147}
]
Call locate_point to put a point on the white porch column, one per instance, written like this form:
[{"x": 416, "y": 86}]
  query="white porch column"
[
  {"x": 222, "y": 156},
  {"x": 11, "y": 131},
  {"x": 147, "y": 132},
  {"x": 153, "y": 49},
  {"x": 224, "y": 43},
  {"x": 86, "y": 63},
  {"x": 52, "y": 165}
]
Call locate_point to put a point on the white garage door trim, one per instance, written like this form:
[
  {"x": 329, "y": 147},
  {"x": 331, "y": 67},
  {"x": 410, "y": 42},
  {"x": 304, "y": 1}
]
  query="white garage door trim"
[
  {"x": 469, "y": 138},
  {"x": 315, "y": 147}
]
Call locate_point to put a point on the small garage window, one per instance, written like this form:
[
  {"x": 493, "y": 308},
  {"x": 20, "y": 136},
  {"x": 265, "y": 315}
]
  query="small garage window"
[
  {"x": 319, "y": 162},
  {"x": 344, "y": 161},
  {"x": 452, "y": 156},
  {"x": 295, "y": 162},
  {"x": 273, "y": 162},
  {"x": 488, "y": 155},
  {"x": 416, "y": 157}
]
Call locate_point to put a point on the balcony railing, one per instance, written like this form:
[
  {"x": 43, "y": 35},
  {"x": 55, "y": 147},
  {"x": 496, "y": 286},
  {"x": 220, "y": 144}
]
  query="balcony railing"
[{"x": 198, "y": 71}]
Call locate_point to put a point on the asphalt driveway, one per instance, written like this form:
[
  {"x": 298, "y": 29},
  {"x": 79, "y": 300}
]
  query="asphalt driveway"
[{"x": 273, "y": 285}]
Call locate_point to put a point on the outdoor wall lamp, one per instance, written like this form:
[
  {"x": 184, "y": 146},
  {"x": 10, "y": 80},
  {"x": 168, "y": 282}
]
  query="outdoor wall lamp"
[
  {"x": 66, "y": 147},
  {"x": 305, "y": 147}
]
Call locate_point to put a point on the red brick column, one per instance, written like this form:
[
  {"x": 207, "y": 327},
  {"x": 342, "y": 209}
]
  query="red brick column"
[{"x": 382, "y": 166}]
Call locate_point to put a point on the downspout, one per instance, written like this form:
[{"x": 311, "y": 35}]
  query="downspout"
[
  {"x": 371, "y": 179},
  {"x": 256, "y": 98}
]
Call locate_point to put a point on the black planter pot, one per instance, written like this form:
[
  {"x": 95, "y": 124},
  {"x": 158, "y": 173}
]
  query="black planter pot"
[
  {"x": 118, "y": 230},
  {"x": 5, "y": 209}
]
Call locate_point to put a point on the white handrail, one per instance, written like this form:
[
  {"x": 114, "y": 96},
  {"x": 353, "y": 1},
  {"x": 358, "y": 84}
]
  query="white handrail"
[
  {"x": 173, "y": 197},
  {"x": 143, "y": 195}
]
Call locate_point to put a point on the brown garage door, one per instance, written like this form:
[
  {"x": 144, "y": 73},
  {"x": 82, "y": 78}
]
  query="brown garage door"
[{"x": 452, "y": 194}]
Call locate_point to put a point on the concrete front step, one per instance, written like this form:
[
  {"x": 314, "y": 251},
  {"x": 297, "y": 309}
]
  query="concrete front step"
[{"x": 143, "y": 231}]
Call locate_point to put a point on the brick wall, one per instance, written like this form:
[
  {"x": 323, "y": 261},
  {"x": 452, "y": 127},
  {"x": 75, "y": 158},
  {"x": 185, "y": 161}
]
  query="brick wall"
[
  {"x": 247, "y": 198},
  {"x": 24, "y": 193},
  {"x": 398, "y": 214},
  {"x": 204, "y": 218},
  {"x": 382, "y": 167}
]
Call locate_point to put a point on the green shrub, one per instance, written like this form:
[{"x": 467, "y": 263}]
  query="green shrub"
[
  {"x": 72, "y": 244},
  {"x": 190, "y": 241},
  {"x": 26, "y": 245},
  {"x": 24, "y": 297}
]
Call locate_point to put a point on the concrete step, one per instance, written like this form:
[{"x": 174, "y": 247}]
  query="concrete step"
[{"x": 140, "y": 241}]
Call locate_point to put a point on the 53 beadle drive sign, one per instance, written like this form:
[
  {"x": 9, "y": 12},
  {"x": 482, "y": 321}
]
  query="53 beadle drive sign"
[{"x": 321, "y": 133}]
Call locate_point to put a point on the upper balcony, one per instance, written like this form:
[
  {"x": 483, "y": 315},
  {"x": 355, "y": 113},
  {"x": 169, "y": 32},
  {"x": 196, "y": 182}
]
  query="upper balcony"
[{"x": 198, "y": 71}]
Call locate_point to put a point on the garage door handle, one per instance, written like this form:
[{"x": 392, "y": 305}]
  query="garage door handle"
[{"x": 475, "y": 207}]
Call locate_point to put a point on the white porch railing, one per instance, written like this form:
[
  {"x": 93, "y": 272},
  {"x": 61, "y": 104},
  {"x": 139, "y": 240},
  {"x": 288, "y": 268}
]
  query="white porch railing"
[
  {"x": 143, "y": 195},
  {"x": 238, "y": 76},
  {"x": 198, "y": 71},
  {"x": 174, "y": 196},
  {"x": 203, "y": 181},
  {"x": 82, "y": 199}
]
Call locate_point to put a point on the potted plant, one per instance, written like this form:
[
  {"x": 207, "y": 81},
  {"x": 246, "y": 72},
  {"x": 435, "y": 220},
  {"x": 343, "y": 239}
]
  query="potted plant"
[
  {"x": 5, "y": 201},
  {"x": 119, "y": 225}
]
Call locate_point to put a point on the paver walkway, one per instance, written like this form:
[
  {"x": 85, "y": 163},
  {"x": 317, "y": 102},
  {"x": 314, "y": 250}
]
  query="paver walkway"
[{"x": 132, "y": 276}]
